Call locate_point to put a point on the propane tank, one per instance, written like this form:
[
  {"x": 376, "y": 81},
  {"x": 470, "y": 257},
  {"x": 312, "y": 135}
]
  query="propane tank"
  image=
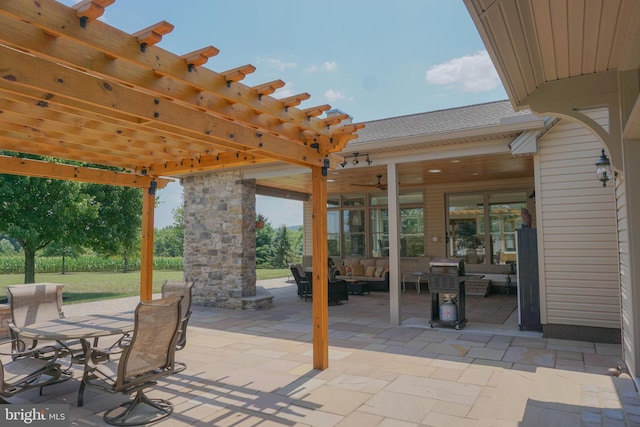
[{"x": 448, "y": 311}]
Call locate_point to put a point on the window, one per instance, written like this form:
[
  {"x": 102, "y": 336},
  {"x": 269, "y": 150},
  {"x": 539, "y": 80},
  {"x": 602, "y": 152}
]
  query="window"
[
  {"x": 353, "y": 228},
  {"x": 379, "y": 221},
  {"x": 358, "y": 225},
  {"x": 504, "y": 215},
  {"x": 470, "y": 216},
  {"x": 411, "y": 232},
  {"x": 333, "y": 232},
  {"x": 466, "y": 219}
]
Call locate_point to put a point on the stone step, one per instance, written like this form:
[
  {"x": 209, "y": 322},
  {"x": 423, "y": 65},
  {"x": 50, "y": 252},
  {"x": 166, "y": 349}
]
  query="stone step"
[{"x": 477, "y": 287}]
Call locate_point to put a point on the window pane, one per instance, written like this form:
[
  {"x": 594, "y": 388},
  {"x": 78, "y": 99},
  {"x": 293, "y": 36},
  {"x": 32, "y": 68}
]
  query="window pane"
[
  {"x": 333, "y": 233},
  {"x": 333, "y": 201},
  {"x": 412, "y": 232},
  {"x": 379, "y": 200},
  {"x": 353, "y": 228},
  {"x": 466, "y": 241},
  {"x": 504, "y": 211},
  {"x": 353, "y": 200},
  {"x": 411, "y": 198},
  {"x": 379, "y": 232}
]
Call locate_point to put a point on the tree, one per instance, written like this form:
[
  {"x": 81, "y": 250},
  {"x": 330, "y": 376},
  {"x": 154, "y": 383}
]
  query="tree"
[
  {"x": 169, "y": 241},
  {"x": 264, "y": 239},
  {"x": 62, "y": 249},
  {"x": 117, "y": 230},
  {"x": 6, "y": 248},
  {"x": 37, "y": 211},
  {"x": 281, "y": 253}
]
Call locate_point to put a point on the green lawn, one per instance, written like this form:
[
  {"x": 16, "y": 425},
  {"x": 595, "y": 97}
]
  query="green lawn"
[{"x": 82, "y": 287}]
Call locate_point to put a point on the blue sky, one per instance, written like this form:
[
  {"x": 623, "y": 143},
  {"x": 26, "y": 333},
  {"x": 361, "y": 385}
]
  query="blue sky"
[{"x": 369, "y": 59}]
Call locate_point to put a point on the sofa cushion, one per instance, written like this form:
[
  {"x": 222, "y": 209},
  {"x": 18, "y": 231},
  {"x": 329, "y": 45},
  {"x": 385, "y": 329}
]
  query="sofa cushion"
[
  {"x": 370, "y": 270},
  {"x": 357, "y": 269},
  {"x": 378, "y": 272},
  {"x": 342, "y": 270}
]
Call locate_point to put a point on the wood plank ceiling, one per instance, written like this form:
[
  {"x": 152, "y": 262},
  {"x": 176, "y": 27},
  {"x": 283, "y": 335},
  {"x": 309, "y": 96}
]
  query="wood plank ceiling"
[
  {"x": 74, "y": 88},
  {"x": 536, "y": 42}
]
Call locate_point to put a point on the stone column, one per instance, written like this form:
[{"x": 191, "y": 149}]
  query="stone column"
[{"x": 219, "y": 238}]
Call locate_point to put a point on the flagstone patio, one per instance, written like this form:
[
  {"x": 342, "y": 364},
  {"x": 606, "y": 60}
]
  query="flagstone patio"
[{"x": 254, "y": 368}]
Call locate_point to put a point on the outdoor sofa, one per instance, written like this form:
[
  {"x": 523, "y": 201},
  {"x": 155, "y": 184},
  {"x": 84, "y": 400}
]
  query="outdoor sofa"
[{"x": 375, "y": 271}]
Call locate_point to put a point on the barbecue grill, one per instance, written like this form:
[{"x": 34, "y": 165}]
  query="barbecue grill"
[{"x": 446, "y": 284}]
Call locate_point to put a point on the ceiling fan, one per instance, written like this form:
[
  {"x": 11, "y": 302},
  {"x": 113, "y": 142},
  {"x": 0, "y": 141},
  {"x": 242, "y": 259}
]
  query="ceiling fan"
[{"x": 379, "y": 185}]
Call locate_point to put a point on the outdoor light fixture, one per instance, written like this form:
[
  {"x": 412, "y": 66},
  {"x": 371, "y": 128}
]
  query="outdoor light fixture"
[
  {"x": 356, "y": 159},
  {"x": 603, "y": 171}
]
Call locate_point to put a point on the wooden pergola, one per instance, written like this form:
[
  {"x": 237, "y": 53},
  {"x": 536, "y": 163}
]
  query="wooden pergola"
[{"x": 77, "y": 89}]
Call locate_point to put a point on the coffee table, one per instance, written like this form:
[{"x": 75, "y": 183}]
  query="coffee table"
[{"x": 358, "y": 287}]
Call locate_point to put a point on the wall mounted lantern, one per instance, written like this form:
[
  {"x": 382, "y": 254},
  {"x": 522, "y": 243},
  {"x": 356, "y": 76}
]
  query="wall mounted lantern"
[{"x": 603, "y": 171}]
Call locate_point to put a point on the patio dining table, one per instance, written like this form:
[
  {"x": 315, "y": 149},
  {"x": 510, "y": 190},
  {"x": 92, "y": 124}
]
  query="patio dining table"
[
  {"x": 83, "y": 328},
  {"x": 80, "y": 327}
]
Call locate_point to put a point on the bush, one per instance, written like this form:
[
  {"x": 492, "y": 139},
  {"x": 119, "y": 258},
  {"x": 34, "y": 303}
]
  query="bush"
[{"x": 15, "y": 264}]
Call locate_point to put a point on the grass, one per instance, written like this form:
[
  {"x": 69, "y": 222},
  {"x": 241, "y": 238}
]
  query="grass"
[{"x": 84, "y": 287}]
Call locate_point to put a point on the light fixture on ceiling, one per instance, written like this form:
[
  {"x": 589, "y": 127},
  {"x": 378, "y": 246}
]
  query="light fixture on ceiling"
[
  {"x": 356, "y": 159},
  {"x": 603, "y": 171}
]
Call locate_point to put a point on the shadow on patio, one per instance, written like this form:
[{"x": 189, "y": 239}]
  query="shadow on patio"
[{"x": 254, "y": 368}]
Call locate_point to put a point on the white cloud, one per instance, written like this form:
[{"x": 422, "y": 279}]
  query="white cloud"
[
  {"x": 333, "y": 95},
  {"x": 278, "y": 64},
  {"x": 472, "y": 73},
  {"x": 285, "y": 91},
  {"x": 326, "y": 66},
  {"x": 330, "y": 66}
]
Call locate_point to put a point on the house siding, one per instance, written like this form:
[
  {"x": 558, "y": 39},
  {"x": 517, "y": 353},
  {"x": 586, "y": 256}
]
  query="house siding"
[
  {"x": 579, "y": 255},
  {"x": 626, "y": 292}
]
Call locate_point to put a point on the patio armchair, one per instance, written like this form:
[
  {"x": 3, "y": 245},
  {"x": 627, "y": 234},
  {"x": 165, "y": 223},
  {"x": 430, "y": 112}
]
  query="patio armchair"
[
  {"x": 183, "y": 289},
  {"x": 26, "y": 371},
  {"x": 34, "y": 303},
  {"x": 147, "y": 358},
  {"x": 303, "y": 284}
]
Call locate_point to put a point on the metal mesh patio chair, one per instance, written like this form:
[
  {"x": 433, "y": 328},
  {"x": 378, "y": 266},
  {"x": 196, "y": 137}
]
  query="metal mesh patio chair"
[
  {"x": 147, "y": 358},
  {"x": 26, "y": 371},
  {"x": 34, "y": 303},
  {"x": 175, "y": 288}
]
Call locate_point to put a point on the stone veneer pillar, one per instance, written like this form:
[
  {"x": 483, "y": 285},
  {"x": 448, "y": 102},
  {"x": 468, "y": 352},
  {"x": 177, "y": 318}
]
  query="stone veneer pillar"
[{"x": 219, "y": 238}]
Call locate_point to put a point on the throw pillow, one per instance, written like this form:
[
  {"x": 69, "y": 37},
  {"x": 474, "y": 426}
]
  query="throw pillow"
[
  {"x": 357, "y": 269},
  {"x": 370, "y": 271},
  {"x": 378, "y": 272},
  {"x": 349, "y": 270},
  {"x": 342, "y": 270}
]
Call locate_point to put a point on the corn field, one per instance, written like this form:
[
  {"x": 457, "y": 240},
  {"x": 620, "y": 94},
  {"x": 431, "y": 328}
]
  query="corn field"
[{"x": 15, "y": 264}]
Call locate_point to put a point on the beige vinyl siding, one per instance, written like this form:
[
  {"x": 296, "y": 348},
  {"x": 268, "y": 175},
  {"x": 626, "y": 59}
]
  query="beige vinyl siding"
[
  {"x": 577, "y": 226},
  {"x": 626, "y": 292}
]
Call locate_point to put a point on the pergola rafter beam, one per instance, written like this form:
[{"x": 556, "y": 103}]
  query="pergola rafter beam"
[
  {"x": 38, "y": 74},
  {"x": 102, "y": 37},
  {"x": 42, "y": 169},
  {"x": 26, "y": 112}
]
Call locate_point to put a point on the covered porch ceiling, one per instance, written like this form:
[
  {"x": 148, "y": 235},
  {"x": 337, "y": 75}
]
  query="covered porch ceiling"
[{"x": 410, "y": 175}]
